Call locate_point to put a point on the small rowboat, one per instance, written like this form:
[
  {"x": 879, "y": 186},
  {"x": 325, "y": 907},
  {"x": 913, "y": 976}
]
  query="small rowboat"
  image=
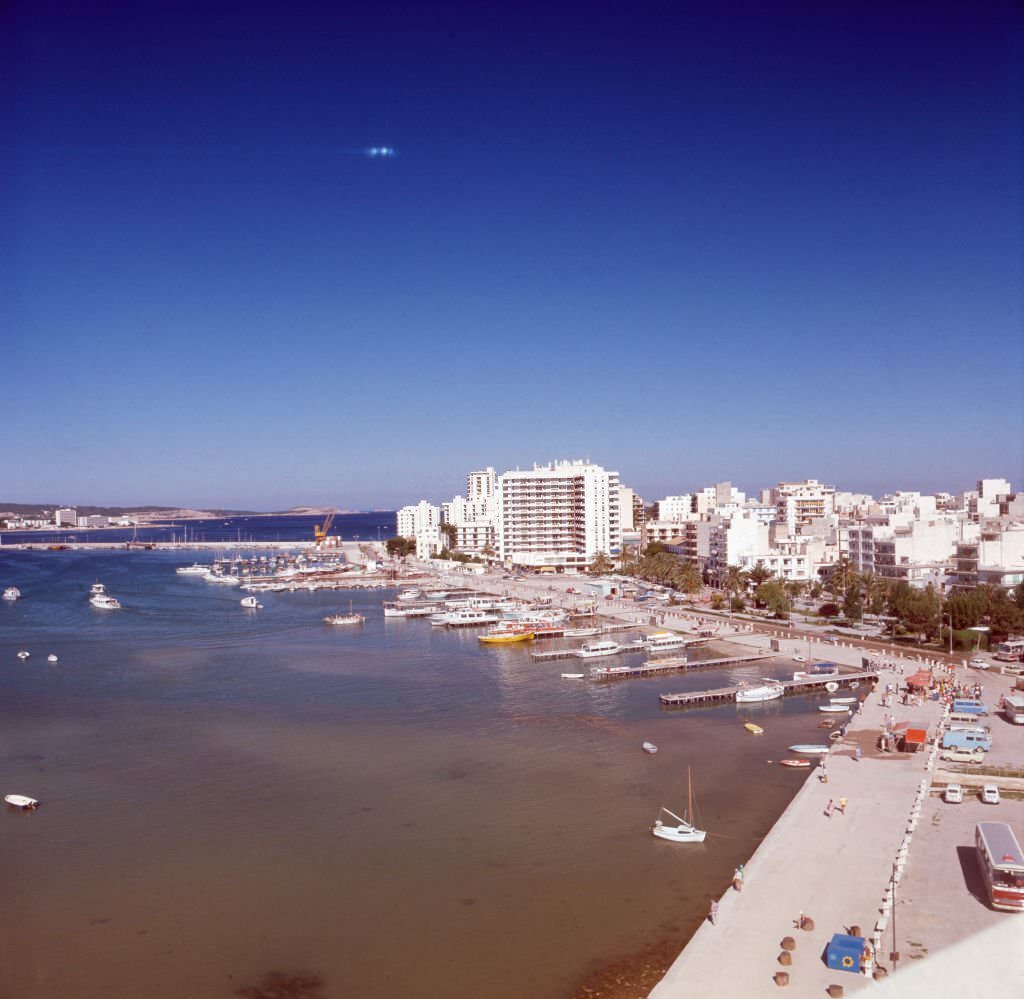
[
  {"x": 573, "y": 676},
  {"x": 649, "y": 747},
  {"x": 808, "y": 748},
  {"x": 795, "y": 763},
  {"x": 834, "y": 708},
  {"x": 754, "y": 729},
  {"x": 21, "y": 801},
  {"x": 843, "y": 700}
]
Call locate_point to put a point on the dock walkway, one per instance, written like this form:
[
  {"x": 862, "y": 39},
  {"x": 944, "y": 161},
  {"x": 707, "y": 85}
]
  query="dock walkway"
[
  {"x": 652, "y": 667},
  {"x": 808, "y": 686}
]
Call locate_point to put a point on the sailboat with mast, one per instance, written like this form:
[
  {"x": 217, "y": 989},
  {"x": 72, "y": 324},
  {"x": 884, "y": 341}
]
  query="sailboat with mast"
[
  {"x": 684, "y": 831},
  {"x": 349, "y": 618}
]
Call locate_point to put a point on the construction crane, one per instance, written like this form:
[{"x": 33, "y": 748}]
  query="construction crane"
[{"x": 320, "y": 530}]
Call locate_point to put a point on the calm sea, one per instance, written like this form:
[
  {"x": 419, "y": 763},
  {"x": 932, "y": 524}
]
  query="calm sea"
[
  {"x": 392, "y": 810},
  {"x": 349, "y": 526}
]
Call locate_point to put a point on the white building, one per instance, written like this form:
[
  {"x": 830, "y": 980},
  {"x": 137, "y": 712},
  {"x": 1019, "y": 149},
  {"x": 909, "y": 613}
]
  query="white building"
[
  {"x": 627, "y": 508},
  {"x": 66, "y": 517},
  {"x": 562, "y": 515},
  {"x": 899, "y": 547},
  {"x": 676, "y": 508},
  {"x": 93, "y": 520},
  {"x": 421, "y": 523},
  {"x": 798, "y": 503}
]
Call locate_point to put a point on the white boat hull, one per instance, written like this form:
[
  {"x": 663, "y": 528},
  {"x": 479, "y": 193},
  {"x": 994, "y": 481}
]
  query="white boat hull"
[
  {"x": 21, "y": 801},
  {"x": 683, "y": 833}
]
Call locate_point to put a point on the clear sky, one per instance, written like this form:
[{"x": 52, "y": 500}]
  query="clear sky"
[{"x": 691, "y": 241}]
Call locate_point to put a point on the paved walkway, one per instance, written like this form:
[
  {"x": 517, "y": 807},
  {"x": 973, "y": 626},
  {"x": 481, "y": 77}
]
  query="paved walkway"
[{"x": 834, "y": 870}]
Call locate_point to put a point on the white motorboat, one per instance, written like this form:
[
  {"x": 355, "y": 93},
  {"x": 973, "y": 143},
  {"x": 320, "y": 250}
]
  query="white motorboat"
[
  {"x": 573, "y": 676},
  {"x": 649, "y": 747},
  {"x": 610, "y": 671},
  {"x": 664, "y": 640},
  {"x": 590, "y": 650},
  {"x": 410, "y": 594},
  {"x": 833, "y": 708},
  {"x": 767, "y": 690},
  {"x": 97, "y": 587},
  {"x": 809, "y": 749},
  {"x": 12, "y": 593},
  {"x": 101, "y": 601},
  {"x": 24, "y": 654},
  {"x": 843, "y": 700},
  {"x": 581, "y": 632},
  {"x": 685, "y": 831},
  {"x": 250, "y": 602},
  {"x": 192, "y": 570},
  {"x": 51, "y": 658},
  {"x": 468, "y": 617},
  {"x": 21, "y": 801},
  {"x": 223, "y": 578}
]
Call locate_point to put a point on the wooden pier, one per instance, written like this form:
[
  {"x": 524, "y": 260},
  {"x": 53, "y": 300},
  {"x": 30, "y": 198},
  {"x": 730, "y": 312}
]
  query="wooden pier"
[
  {"x": 723, "y": 695},
  {"x": 675, "y": 664}
]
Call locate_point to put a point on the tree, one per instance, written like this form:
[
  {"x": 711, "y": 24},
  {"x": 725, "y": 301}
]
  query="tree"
[
  {"x": 628, "y": 560},
  {"x": 401, "y": 546},
  {"x": 601, "y": 564},
  {"x": 853, "y": 609},
  {"x": 735, "y": 580},
  {"x": 815, "y": 590},
  {"x": 686, "y": 577},
  {"x": 654, "y": 548},
  {"x": 841, "y": 577},
  {"x": 795, "y": 588},
  {"x": 829, "y": 610},
  {"x": 772, "y": 595},
  {"x": 488, "y": 552},
  {"x": 451, "y": 532},
  {"x": 759, "y": 574},
  {"x": 717, "y": 601}
]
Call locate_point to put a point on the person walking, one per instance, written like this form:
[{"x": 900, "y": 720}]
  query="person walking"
[
  {"x": 713, "y": 911},
  {"x": 828, "y": 808},
  {"x": 842, "y": 806},
  {"x": 857, "y": 754},
  {"x": 737, "y": 879}
]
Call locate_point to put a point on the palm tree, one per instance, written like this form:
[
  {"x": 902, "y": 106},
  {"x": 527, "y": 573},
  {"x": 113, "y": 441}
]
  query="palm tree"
[
  {"x": 687, "y": 577},
  {"x": 601, "y": 564},
  {"x": 488, "y": 552},
  {"x": 735, "y": 580},
  {"x": 841, "y": 578},
  {"x": 759, "y": 574},
  {"x": 628, "y": 560}
]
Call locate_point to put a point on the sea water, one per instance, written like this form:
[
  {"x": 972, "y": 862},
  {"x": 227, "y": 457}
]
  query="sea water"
[{"x": 388, "y": 809}]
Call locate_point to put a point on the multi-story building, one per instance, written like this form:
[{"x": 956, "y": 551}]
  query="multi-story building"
[
  {"x": 995, "y": 558},
  {"x": 563, "y": 515},
  {"x": 93, "y": 520},
  {"x": 66, "y": 517},
  {"x": 421, "y": 523},
  {"x": 900, "y": 548},
  {"x": 797, "y": 504},
  {"x": 676, "y": 508}
]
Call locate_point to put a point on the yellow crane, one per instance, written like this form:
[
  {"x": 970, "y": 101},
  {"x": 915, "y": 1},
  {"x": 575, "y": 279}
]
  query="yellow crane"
[{"x": 320, "y": 530}]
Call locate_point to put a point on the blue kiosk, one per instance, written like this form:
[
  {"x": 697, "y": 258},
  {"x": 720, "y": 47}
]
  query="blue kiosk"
[{"x": 844, "y": 952}]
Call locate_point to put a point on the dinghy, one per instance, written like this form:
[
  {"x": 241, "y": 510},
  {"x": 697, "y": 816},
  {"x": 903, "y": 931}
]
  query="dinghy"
[
  {"x": 649, "y": 747},
  {"x": 809, "y": 749},
  {"x": 21, "y": 801},
  {"x": 754, "y": 729}
]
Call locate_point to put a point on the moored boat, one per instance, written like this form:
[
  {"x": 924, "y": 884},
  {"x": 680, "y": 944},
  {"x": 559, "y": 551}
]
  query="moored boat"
[
  {"x": 664, "y": 640},
  {"x": 833, "y": 708},
  {"x": 801, "y": 764},
  {"x": 809, "y": 749},
  {"x": 754, "y": 729},
  {"x": 767, "y": 690},
  {"x": 505, "y": 636},
  {"x": 649, "y": 747},
  {"x": 192, "y": 570},
  {"x": 573, "y": 676},
  {"x": 590, "y": 650},
  {"x": 685, "y": 831}
]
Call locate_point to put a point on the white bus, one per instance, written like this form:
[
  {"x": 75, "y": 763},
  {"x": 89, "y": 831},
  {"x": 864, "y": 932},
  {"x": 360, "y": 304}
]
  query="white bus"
[
  {"x": 1010, "y": 651},
  {"x": 1002, "y": 865},
  {"x": 1013, "y": 708}
]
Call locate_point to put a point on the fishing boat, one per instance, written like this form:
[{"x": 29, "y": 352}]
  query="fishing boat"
[
  {"x": 21, "y": 801},
  {"x": 649, "y": 747},
  {"x": 802, "y": 764},
  {"x": 573, "y": 676},
  {"x": 833, "y": 708},
  {"x": 590, "y": 650},
  {"x": 808, "y": 749},
  {"x": 250, "y": 602},
  {"x": 754, "y": 729},
  {"x": 768, "y": 690},
  {"x": 505, "y": 636},
  {"x": 102, "y": 601},
  {"x": 685, "y": 831},
  {"x": 12, "y": 593}
]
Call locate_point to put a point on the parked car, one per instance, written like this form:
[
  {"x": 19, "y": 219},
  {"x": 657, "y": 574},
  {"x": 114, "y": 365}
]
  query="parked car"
[
  {"x": 979, "y": 663},
  {"x": 954, "y": 794},
  {"x": 990, "y": 794},
  {"x": 976, "y": 755}
]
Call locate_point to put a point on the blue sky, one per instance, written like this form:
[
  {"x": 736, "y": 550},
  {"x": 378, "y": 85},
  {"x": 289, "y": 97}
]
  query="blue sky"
[{"x": 746, "y": 244}]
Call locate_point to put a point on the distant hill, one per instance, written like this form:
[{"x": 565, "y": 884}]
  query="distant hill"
[{"x": 37, "y": 510}]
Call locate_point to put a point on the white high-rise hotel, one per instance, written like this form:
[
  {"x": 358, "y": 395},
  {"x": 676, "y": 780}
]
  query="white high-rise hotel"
[{"x": 563, "y": 515}]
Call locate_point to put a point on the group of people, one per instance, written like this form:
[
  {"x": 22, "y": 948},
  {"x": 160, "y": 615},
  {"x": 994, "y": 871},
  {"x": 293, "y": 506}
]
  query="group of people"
[{"x": 835, "y": 806}]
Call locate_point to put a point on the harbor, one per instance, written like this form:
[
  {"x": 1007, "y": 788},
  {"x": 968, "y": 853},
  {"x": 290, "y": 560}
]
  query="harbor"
[{"x": 722, "y": 695}]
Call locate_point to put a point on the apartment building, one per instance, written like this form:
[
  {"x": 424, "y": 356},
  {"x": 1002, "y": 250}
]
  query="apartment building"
[
  {"x": 66, "y": 517},
  {"x": 475, "y": 515},
  {"x": 995, "y": 558},
  {"x": 797, "y": 504},
  {"x": 900, "y": 548},
  {"x": 422, "y": 523},
  {"x": 561, "y": 515}
]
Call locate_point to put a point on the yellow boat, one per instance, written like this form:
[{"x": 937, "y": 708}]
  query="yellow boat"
[
  {"x": 505, "y": 637},
  {"x": 754, "y": 729}
]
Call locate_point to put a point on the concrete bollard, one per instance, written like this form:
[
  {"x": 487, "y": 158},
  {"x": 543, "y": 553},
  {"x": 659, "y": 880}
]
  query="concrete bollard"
[
  {"x": 781, "y": 978},
  {"x": 788, "y": 943},
  {"x": 785, "y": 958}
]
